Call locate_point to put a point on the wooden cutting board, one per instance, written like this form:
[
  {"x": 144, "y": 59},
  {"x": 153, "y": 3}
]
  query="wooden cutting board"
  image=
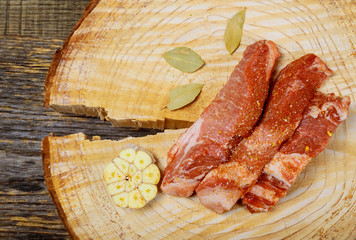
[
  {"x": 321, "y": 204},
  {"x": 112, "y": 66}
]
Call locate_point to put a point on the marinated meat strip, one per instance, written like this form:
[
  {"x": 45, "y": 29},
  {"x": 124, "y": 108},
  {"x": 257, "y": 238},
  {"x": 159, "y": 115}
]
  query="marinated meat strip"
[
  {"x": 320, "y": 120},
  {"x": 230, "y": 116},
  {"x": 291, "y": 93}
]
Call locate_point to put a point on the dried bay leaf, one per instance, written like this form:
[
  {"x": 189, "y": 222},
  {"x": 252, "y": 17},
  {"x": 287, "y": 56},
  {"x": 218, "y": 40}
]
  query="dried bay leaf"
[
  {"x": 183, "y": 95},
  {"x": 233, "y": 32},
  {"x": 184, "y": 59}
]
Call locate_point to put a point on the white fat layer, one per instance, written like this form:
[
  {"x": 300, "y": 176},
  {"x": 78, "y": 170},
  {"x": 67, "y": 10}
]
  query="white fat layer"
[
  {"x": 186, "y": 141},
  {"x": 342, "y": 112},
  {"x": 263, "y": 193},
  {"x": 296, "y": 85},
  {"x": 192, "y": 138},
  {"x": 320, "y": 65},
  {"x": 314, "y": 111},
  {"x": 276, "y": 167}
]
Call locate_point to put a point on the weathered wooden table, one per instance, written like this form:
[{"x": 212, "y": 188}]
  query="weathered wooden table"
[{"x": 30, "y": 33}]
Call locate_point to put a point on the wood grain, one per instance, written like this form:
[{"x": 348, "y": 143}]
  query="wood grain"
[
  {"x": 26, "y": 209},
  {"x": 321, "y": 204},
  {"x": 126, "y": 68},
  {"x": 30, "y": 33},
  {"x": 112, "y": 66},
  {"x": 40, "y": 18}
]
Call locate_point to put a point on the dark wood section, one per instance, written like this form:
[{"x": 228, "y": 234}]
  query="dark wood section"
[{"x": 30, "y": 33}]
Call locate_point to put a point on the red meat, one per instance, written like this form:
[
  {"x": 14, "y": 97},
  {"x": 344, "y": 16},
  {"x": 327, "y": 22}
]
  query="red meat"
[
  {"x": 319, "y": 122},
  {"x": 292, "y": 91},
  {"x": 230, "y": 116}
]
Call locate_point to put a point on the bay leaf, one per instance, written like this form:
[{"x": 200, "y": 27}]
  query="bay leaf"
[
  {"x": 233, "y": 32},
  {"x": 184, "y": 59},
  {"x": 183, "y": 95}
]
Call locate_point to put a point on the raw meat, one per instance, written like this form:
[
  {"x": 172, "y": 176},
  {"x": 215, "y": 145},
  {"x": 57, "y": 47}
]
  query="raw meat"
[
  {"x": 230, "y": 116},
  {"x": 292, "y": 91},
  {"x": 319, "y": 122}
]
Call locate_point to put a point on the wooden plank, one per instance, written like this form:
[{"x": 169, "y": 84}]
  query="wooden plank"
[
  {"x": 40, "y": 18},
  {"x": 25, "y": 207},
  {"x": 26, "y": 211}
]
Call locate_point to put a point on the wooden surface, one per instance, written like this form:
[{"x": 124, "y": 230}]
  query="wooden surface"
[
  {"x": 125, "y": 79},
  {"x": 112, "y": 64},
  {"x": 31, "y": 31},
  {"x": 91, "y": 212},
  {"x": 320, "y": 205}
]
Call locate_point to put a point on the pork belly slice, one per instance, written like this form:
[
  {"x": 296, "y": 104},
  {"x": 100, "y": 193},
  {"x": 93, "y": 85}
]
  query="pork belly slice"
[
  {"x": 320, "y": 120},
  {"x": 294, "y": 87},
  {"x": 230, "y": 116}
]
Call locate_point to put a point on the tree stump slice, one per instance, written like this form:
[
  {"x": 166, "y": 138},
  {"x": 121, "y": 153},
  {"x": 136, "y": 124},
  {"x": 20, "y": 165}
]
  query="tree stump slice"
[
  {"x": 111, "y": 66},
  {"x": 321, "y": 204}
]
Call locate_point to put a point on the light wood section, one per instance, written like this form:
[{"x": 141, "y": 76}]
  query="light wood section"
[
  {"x": 320, "y": 205},
  {"x": 112, "y": 65}
]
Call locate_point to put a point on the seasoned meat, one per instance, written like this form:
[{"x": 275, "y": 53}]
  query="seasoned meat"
[
  {"x": 320, "y": 120},
  {"x": 294, "y": 87},
  {"x": 230, "y": 116}
]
